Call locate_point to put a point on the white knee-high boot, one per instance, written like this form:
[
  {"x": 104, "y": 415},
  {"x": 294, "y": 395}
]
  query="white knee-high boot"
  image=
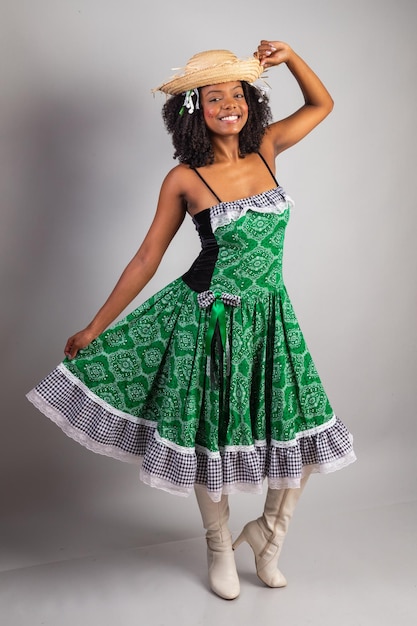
[
  {"x": 266, "y": 534},
  {"x": 222, "y": 572}
]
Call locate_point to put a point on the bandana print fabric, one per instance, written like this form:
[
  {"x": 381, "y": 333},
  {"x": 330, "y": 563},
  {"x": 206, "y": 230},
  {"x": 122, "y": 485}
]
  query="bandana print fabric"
[{"x": 210, "y": 380}]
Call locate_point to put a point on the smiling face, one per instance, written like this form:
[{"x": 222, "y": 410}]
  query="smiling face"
[{"x": 224, "y": 107}]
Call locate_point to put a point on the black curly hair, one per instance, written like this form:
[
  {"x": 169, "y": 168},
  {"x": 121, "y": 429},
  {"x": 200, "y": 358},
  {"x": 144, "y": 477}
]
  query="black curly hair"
[{"x": 191, "y": 138}]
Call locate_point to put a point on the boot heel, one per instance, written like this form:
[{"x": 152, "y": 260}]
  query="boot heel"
[
  {"x": 265, "y": 553},
  {"x": 239, "y": 540}
]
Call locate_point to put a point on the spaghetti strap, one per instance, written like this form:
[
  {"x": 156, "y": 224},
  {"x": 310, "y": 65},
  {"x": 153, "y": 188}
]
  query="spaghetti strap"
[
  {"x": 269, "y": 169},
  {"x": 206, "y": 184},
  {"x": 215, "y": 194}
]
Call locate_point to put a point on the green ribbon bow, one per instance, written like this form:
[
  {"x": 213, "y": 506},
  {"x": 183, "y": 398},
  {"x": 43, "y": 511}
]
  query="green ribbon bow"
[{"x": 217, "y": 316}]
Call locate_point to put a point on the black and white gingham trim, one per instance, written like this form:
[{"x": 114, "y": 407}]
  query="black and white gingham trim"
[
  {"x": 166, "y": 463},
  {"x": 176, "y": 469},
  {"x": 272, "y": 201},
  {"x": 265, "y": 199},
  {"x": 206, "y": 298},
  {"x": 85, "y": 417}
]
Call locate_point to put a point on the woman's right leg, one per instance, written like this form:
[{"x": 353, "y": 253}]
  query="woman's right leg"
[{"x": 222, "y": 572}]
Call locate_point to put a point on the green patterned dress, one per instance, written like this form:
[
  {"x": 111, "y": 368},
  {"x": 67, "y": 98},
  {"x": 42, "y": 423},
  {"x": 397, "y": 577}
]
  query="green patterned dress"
[{"x": 210, "y": 380}]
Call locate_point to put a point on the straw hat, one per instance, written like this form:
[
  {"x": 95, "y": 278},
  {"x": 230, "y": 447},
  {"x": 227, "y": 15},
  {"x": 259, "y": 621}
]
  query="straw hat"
[{"x": 212, "y": 67}]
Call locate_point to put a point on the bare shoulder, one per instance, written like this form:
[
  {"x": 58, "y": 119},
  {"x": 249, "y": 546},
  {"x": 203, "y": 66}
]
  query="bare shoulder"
[
  {"x": 182, "y": 184},
  {"x": 178, "y": 178}
]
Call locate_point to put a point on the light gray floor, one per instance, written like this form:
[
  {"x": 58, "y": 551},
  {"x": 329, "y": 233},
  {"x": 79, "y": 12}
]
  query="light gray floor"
[{"x": 345, "y": 569}]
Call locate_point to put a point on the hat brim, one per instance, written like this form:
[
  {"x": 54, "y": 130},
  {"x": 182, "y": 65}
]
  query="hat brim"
[{"x": 248, "y": 70}]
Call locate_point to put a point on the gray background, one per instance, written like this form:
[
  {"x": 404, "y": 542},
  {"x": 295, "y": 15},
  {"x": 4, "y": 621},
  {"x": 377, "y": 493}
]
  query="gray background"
[{"x": 83, "y": 154}]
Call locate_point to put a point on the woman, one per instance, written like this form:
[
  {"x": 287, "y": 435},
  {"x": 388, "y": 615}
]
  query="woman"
[{"x": 209, "y": 383}]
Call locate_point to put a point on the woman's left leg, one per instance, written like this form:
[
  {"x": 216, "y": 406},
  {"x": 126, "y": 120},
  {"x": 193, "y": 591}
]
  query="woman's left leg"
[{"x": 266, "y": 534}]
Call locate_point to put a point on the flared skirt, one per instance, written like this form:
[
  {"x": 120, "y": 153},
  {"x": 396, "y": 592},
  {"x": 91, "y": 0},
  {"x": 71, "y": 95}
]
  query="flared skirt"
[{"x": 225, "y": 400}]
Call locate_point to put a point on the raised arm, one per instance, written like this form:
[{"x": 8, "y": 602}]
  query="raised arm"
[
  {"x": 168, "y": 218},
  {"x": 318, "y": 102}
]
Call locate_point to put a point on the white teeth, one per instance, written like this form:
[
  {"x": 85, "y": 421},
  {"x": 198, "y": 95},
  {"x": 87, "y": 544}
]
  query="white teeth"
[{"x": 230, "y": 118}]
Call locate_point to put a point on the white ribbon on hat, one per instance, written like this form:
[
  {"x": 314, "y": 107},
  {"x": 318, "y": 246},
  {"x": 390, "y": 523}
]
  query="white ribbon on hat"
[{"x": 189, "y": 102}]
